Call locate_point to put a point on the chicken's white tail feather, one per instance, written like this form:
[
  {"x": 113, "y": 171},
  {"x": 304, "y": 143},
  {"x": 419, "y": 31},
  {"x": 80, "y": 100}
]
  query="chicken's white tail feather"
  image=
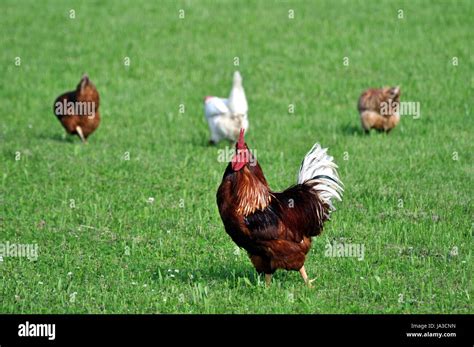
[
  {"x": 319, "y": 167},
  {"x": 237, "y": 80},
  {"x": 237, "y": 101}
]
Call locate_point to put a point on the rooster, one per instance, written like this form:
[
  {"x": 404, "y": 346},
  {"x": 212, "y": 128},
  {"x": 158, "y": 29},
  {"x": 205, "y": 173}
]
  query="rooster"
[
  {"x": 379, "y": 109},
  {"x": 227, "y": 116},
  {"x": 276, "y": 228},
  {"x": 78, "y": 110}
]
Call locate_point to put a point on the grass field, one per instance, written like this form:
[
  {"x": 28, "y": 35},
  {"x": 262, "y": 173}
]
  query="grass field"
[{"x": 103, "y": 247}]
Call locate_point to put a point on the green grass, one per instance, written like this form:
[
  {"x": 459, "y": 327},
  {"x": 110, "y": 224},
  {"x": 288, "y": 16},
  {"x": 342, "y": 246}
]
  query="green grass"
[{"x": 117, "y": 252}]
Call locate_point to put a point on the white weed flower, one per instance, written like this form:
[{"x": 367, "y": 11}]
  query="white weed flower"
[{"x": 237, "y": 251}]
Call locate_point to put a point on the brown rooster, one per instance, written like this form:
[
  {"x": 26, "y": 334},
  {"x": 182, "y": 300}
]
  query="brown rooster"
[
  {"x": 276, "y": 228},
  {"x": 379, "y": 109},
  {"x": 78, "y": 110}
]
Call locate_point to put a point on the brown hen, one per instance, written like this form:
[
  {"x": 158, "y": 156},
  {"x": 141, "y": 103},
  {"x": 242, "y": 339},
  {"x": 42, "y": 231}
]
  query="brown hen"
[{"x": 78, "y": 110}]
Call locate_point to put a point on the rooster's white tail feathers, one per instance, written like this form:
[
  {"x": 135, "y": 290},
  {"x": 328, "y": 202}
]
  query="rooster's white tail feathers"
[{"x": 319, "y": 167}]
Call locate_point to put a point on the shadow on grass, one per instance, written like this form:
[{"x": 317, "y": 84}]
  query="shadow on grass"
[
  {"x": 352, "y": 130},
  {"x": 231, "y": 274},
  {"x": 234, "y": 275},
  {"x": 59, "y": 138}
]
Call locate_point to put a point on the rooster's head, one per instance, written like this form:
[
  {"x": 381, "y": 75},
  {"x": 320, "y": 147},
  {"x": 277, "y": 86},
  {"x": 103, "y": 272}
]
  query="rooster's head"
[{"x": 242, "y": 154}]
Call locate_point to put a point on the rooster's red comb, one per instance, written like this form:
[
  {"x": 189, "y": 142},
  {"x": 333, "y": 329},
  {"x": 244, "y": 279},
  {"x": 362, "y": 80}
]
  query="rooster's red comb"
[{"x": 241, "y": 142}]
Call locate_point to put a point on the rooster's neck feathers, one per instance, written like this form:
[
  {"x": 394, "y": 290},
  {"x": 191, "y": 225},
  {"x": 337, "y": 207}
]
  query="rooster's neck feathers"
[{"x": 252, "y": 191}]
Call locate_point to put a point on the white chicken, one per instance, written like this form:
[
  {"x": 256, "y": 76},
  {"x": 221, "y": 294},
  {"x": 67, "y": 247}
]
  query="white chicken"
[{"x": 227, "y": 116}]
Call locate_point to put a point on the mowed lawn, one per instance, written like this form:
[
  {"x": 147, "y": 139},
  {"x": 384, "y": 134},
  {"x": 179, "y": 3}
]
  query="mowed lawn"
[{"x": 105, "y": 247}]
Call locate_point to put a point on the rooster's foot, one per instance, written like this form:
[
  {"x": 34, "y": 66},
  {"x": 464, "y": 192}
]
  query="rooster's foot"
[
  {"x": 305, "y": 277},
  {"x": 268, "y": 280}
]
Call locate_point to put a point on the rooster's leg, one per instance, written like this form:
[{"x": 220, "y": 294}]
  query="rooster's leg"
[
  {"x": 268, "y": 279},
  {"x": 305, "y": 277},
  {"x": 81, "y": 135}
]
